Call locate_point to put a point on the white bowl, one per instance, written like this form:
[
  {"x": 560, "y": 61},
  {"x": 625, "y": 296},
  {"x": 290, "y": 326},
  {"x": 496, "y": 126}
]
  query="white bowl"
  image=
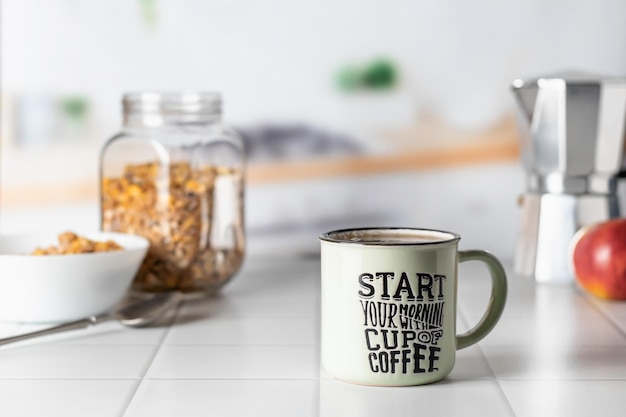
[{"x": 55, "y": 288}]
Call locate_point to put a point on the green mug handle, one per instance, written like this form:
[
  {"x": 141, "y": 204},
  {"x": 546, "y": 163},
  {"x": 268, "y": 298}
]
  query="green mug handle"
[{"x": 496, "y": 301}]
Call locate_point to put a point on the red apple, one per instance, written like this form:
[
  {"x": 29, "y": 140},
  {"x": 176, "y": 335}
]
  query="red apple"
[{"x": 599, "y": 259}]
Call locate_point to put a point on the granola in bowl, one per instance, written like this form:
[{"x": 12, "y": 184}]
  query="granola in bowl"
[{"x": 71, "y": 243}]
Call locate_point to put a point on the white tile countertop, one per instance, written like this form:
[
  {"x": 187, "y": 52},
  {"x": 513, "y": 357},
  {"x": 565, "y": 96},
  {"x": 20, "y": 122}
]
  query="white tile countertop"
[{"x": 254, "y": 351}]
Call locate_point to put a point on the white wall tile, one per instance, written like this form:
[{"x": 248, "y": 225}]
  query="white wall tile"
[
  {"x": 565, "y": 398},
  {"x": 225, "y": 398},
  {"x": 563, "y": 362},
  {"x": 61, "y": 361},
  {"x": 245, "y": 331},
  {"x": 452, "y": 398},
  {"x": 63, "y": 397},
  {"x": 236, "y": 362}
]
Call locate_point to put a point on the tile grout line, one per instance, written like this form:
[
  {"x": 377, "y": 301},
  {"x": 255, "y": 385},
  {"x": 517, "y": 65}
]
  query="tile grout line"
[
  {"x": 497, "y": 380},
  {"x": 156, "y": 351},
  {"x": 602, "y": 312},
  {"x": 493, "y": 377}
]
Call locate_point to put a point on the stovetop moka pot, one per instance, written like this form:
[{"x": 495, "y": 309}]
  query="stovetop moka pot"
[{"x": 572, "y": 132}]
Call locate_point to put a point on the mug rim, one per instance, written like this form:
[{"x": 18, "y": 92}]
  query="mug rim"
[{"x": 451, "y": 237}]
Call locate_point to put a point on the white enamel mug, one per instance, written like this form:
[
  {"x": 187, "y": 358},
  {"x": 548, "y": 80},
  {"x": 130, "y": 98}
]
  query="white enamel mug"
[{"x": 389, "y": 300}]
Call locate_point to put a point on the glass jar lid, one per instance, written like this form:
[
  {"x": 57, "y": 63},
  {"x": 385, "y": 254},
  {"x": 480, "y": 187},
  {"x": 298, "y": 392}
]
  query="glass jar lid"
[{"x": 172, "y": 103}]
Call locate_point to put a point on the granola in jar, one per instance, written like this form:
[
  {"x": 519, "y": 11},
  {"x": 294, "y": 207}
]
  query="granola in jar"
[{"x": 189, "y": 215}]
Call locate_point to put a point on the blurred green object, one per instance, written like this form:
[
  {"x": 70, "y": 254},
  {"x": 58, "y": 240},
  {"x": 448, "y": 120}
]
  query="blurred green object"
[
  {"x": 75, "y": 108},
  {"x": 350, "y": 78},
  {"x": 149, "y": 13},
  {"x": 380, "y": 74}
]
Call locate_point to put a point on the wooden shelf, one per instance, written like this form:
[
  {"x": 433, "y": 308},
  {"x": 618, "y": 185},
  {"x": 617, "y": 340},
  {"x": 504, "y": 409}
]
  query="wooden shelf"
[
  {"x": 468, "y": 154},
  {"x": 428, "y": 147},
  {"x": 412, "y": 160}
]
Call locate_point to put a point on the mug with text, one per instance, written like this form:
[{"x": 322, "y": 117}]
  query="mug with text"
[{"x": 389, "y": 304}]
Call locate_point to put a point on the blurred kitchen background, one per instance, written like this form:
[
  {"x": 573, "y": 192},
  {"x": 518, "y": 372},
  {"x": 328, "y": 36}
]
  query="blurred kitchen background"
[{"x": 354, "y": 112}]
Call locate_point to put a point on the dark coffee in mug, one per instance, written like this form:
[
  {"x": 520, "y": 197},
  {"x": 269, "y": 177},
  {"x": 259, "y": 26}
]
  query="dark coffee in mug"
[{"x": 388, "y": 236}]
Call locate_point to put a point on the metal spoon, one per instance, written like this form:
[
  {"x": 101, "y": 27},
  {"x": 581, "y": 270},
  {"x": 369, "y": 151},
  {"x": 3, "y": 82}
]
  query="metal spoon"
[{"x": 137, "y": 314}]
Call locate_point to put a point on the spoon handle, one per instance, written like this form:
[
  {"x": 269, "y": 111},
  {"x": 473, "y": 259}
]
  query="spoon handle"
[{"x": 72, "y": 325}]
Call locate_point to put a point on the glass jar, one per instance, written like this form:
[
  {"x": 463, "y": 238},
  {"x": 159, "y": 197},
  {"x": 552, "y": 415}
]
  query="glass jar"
[{"x": 175, "y": 175}]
